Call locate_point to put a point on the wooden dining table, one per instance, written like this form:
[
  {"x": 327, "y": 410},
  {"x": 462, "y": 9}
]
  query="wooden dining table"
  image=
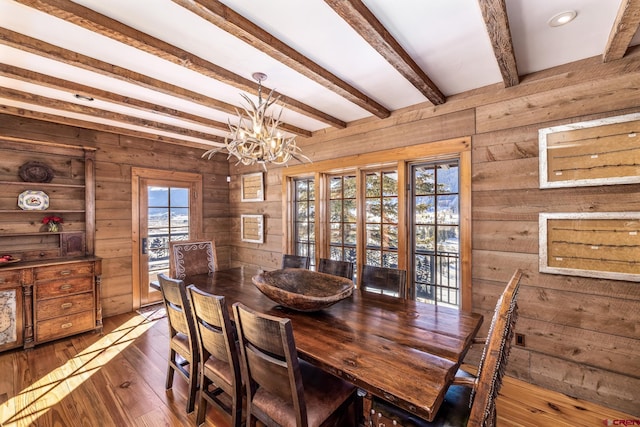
[{"x": 399, "y": 350}]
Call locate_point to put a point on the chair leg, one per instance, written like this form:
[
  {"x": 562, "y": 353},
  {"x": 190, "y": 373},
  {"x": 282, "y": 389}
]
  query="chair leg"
[
  {"x": 202, "y": 407},
  {"x": 170, "y": 370},
  {"x": 193, "y": 386}
]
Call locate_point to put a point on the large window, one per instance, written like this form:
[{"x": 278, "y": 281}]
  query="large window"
[
  {"x": 381, "y": 218},
  {"x": 436, "y": 232},
  {"x": 406, "y": 208},
  {"x": 342, "y": 218},
  {"x": 304, "y": 218}
]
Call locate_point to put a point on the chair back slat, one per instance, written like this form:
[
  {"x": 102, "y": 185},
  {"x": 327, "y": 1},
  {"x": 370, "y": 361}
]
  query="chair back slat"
[
  {"x": 336, "y": 268},
  {"x": 295, "y": 261},
  {"x": 383, "y": 280},
  {"x": 495, "y": 355},
  {"x": 191, "y": 257}
]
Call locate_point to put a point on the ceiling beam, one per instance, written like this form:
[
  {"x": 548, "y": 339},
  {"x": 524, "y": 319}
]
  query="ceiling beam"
[
  {"x": 125, "y": 101},
  {"x": 38, "y": 47},
  {"x": 52, "y": 118},
  {"x": 235, "y": 24},
  {"x": 70, "y": 107},
  {"x": 496, "y": 21},
  {"x": 105, "y": 26},
  {"x": 356, "y": 14},
  {"x": 623, "y": 30}
]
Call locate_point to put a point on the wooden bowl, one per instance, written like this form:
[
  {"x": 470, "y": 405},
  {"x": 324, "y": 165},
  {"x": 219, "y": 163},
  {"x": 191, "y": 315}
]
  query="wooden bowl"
[{"x": 303, "y": 290}]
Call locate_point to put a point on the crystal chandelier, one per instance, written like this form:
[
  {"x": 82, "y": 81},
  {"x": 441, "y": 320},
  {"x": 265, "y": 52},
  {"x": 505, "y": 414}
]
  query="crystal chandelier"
[{"x": 256, "y": 138}]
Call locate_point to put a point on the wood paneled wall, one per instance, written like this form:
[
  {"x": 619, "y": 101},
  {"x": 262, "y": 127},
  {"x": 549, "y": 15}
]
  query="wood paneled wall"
[
  {"x": 115, "y": 156},
  {"x": 582, "y": 334}
]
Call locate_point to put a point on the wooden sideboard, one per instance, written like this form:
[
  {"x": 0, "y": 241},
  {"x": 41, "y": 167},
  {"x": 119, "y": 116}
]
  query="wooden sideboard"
[
  {"x": 51, "y": 287},
  {"x": 49, "y": 300}
]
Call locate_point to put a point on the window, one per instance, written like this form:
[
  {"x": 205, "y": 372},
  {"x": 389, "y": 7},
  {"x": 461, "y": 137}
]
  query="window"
[
  {"x": 342, "y": 218},
  {"x": 304, "y": 218},
  {"x": 436, "y": 232},
  {"x": 407, "y": 208},
  {"x": 381, "y": 218}
]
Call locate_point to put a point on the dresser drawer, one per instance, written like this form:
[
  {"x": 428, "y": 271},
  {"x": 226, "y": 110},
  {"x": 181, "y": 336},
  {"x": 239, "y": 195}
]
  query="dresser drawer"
[
  {"x": 63, "y": 271},
  {"x": 63, "y": 326},
  {"x": 74, "y": 285},
  {"x": 11, "y": 277},
  {"x": 64, "y": 305}
]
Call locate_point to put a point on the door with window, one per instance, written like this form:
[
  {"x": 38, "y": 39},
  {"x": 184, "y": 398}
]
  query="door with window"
[{"x": 167, "y": 210}]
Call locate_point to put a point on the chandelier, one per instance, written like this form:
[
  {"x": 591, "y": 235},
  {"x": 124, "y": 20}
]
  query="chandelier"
[{"x": 256, "y": 138}]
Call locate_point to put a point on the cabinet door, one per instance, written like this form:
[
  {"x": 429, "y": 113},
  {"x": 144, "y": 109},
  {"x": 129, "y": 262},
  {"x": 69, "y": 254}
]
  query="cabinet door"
[{"x": 11, "y": 316}]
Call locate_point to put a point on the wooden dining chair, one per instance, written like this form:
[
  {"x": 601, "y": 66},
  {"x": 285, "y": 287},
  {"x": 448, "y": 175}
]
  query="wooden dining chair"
[
  {"x": 219, "y": 355},
  {"x": 336, "y": 268},
  {"x": 283, "y": 390},
  {"x": 384, "y": 280},
  {"x": 295, "y": 261},
  {"x": 183, "y": 348},
  {"x": 470, "y": 400},
  {"x": 191, "y": 257}
]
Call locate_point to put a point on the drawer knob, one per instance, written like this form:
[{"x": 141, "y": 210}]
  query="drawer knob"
[
  {"x": 65, "y": 287},
  {"x": 66, "y": 305},
  {"x": 66, "y": 325},
  {"x": 65, "y": 272},
  {"x": 1, "y": 280}
]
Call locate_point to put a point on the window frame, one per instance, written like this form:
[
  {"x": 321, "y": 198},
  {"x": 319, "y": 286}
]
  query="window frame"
[{"x": 399, "y": 158}]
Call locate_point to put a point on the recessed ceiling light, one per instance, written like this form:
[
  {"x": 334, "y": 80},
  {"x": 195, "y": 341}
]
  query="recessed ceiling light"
[
  {"x": 83, "y": 97},
  {"x": 562, "y": 18}
]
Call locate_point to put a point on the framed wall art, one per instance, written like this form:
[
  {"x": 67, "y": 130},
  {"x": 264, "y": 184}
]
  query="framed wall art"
[
  {"x": 602, "y": 245},
  {"x": 252, "y": 228},
  {"x": 597, "y": 152},
  {"x": 252, "y": 187}
]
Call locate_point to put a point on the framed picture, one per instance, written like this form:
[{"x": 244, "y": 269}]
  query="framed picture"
[
  {"x": 252, "y": 187},
  {"x": 601, "y": 245},
  {"x": 596, "y": 152},
  {"x": 252, "y": 228}
]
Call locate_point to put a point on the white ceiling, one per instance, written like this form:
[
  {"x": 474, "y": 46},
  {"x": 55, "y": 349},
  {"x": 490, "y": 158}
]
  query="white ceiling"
[{"x": 446, "y": 38}]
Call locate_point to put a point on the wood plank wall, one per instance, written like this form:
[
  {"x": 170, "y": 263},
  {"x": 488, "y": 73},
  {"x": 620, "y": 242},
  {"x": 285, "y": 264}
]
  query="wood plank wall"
[
  {"x": 582, "y": 334},
  {"x": 115, "y": 157}
]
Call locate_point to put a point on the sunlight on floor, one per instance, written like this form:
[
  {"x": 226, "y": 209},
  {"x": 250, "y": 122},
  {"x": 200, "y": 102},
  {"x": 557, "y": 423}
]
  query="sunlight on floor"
[{"x": 25, "y": 408}]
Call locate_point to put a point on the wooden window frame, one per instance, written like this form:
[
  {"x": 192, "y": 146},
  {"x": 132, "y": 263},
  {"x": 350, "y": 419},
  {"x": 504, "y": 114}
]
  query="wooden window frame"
[{"x": 399, "y": 158}]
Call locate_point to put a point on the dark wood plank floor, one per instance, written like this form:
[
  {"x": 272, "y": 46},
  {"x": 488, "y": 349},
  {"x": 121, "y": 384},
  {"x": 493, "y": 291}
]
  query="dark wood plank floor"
[{"x": 117, "y": 379}]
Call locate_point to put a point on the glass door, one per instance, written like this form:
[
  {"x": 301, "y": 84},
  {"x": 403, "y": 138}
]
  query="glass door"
[{"x": 165, "y": 210}]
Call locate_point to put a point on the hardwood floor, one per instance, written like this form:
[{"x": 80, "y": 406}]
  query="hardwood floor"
[{"x": 117, "y": 379}]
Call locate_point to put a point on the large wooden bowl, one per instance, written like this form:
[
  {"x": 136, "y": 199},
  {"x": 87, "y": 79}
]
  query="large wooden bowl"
[{"x": 303, "y": 290}]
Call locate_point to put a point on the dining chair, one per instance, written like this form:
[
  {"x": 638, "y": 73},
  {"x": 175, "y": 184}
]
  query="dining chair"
[
  {"x": 295, "y": 261},
  {"x": 283, "y": 390},
  {"x": 183, "y": 349},
  {"x": 190, "y": 257},
  {"x": 219, "y": 355},
  {"x": 470, "y": 400},
  {"x": 336, "y": 268},
  {"x": 384, "y": 280}
]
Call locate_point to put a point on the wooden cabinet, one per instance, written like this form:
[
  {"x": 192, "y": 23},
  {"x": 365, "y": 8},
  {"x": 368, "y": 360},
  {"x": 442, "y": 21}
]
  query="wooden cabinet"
[{"x": 53, "y": 291}]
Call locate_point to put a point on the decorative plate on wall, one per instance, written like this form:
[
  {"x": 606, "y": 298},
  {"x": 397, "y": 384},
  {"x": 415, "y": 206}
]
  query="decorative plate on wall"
[
  {"x": 31, "y": 200},
  {"x": 35, "y": 172}
]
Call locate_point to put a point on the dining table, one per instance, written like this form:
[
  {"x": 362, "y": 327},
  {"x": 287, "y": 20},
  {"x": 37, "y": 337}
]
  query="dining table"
[{"x": 399, "y": 350}]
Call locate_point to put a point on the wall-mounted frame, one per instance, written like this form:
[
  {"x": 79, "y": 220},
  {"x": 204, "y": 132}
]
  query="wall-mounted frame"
[
  {"x": 252, "y": 187},
  {"x": 601, "y": 245},
  {"x": 596, "y": 152},
  {"x": 252, "y": 228}
]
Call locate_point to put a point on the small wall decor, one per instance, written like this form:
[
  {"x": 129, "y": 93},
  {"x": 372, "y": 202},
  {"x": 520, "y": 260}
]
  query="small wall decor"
[
  {"x": 35, "y": 172},
  {"x": 31, "y": 200},
  {"x": 252, "y": 187},
  {"x": 252, "y": 228},
  {"x": 597, "y": 152},
  {"x": 601, "y": 245}
]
